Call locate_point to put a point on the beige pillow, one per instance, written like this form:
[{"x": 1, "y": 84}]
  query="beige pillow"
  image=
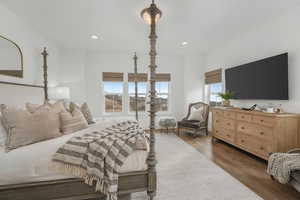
[
  {"x": 196, "y": 114},
  {"x": 85, "y": 111},
  {"x": 57, "y": 107},
  {"x": 72, "y": 122},
  {"x": 26, "y": 128}
]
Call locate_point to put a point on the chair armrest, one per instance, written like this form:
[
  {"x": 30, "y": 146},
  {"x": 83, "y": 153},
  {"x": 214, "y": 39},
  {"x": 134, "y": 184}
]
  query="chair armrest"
[{"x": 296, "y": 150}]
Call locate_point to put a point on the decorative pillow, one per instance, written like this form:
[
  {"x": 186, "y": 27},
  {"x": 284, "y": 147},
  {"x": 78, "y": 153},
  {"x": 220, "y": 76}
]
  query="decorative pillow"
[
  {"x": 196, "y": 114},
  {"x": 25, "y": 128},
  {"x": 57, "y": 107},
  {"x": 85, "y": 111},
  {"x": 72, "y": 122}
]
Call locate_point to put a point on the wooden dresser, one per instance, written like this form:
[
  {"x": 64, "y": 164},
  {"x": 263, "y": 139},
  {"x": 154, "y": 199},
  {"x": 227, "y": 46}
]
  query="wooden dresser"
[{"x": 256, "y": 132}]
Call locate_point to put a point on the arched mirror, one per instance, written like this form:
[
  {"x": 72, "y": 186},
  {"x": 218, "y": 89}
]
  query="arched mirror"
[{"x": 11, "y": 58}]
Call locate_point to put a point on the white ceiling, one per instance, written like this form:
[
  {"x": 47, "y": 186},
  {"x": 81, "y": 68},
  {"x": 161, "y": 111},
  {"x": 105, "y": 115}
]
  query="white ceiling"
[{"x": 204, "y": 24}]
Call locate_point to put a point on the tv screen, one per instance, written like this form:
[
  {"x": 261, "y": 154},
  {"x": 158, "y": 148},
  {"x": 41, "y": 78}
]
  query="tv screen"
[{"x": 264, "y": 79}]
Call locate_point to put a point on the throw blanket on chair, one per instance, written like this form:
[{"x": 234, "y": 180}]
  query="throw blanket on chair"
[
  {"x": 97, "y": 156},
  {"x": 281, "y": 165}
]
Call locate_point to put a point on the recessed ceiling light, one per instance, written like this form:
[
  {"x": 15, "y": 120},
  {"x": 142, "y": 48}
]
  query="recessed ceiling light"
[
  {"x": 184, "y": 43},
  {"x": 94, "y": 37}
]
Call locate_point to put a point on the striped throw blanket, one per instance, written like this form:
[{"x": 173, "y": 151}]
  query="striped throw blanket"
[
  {"x": 281, "y": 166},
  {"x": 97, "y": 156}
]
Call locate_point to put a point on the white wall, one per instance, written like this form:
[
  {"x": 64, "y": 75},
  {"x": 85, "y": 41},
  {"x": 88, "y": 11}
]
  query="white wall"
[
  {"x": 96, "y": 63},
  {"x": 275, "y": 37},
  {"x": 193, "y": 79},
  {"x": 31, "y": 44},
  {"x": 72, "y": 73}
]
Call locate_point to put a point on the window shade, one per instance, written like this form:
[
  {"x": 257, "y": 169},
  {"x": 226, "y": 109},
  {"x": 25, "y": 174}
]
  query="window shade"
[
  {"x": 161, "y": 77},
  {"x": 140, "y": 77},
  {"x": 214, "y": 76},
  {"x": 112, "y": 76}
]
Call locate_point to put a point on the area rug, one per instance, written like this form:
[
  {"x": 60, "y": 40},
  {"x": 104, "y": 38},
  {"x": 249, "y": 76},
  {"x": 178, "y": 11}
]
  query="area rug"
[{"x": 185, "y": 174}]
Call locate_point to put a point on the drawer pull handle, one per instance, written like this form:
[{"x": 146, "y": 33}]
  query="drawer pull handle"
[
  {"x": 228, "y": 124},
  {"x": 261, "y": 148},
  {"x": 242, "y": 141},
  {"x": 217, "y": 131},
  {"x": 262, "y": 133},
  {"x": 243, "y": 128},
  {"x": 262, "y": 120},
  {"x": 243, "y": 117}
]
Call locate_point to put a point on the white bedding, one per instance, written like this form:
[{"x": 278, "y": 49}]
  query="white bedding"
[{"x": 30, "y": 163}]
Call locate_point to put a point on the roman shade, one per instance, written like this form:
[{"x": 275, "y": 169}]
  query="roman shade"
[
  {"x": 162, "y": 77},
  {"x": 214, "y": 76},
  {"x": 112, "y": 76},
  {"x": 140, "y": 77}
]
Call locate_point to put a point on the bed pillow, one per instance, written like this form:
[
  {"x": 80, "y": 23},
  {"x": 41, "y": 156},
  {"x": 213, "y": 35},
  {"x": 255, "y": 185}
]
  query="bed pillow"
[
  {"x": 57, "y": 107},
  {"x": 196, "y": 114},
  {"x": 84, "y": 108},
  {"x": 72, "y": 121},
  {"x": 24, "y": 128}
]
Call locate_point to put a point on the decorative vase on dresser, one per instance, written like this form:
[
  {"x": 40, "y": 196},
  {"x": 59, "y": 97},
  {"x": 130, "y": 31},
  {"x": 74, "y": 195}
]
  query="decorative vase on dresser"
[{"x": 256, "y": 132}]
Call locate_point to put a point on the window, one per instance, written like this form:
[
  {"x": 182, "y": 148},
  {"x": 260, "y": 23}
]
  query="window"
[
  {"x": 141, "y": 101},
  {"x": 214, "y": 89},
  {"x": 214, "y": 85},
  {"x": 113, "y": 92},
  {"x": 162, "y": 96}
]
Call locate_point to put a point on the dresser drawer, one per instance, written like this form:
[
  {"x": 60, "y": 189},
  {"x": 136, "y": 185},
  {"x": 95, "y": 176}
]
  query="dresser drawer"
[
  {"x": 244, "y": 117},
  {"x": 255, "y": 145},
  {"x": 228, "y": 124},
  {"x": 218, "y": 113},
  {"x": 229, "y": 115},
  {"x": 218, "y": 122},
  {"x": 265, "y": 121},
  {"x": 261, "y": 132},
  {"x": 225, "y": 134}
]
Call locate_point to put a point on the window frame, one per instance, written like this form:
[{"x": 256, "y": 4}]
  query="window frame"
[
  {"x": 168, "y": 99},
  {"x": 209, "y": 93},
  {"x": 146, "y": 98},
  {"x": 123, "y": 94}
]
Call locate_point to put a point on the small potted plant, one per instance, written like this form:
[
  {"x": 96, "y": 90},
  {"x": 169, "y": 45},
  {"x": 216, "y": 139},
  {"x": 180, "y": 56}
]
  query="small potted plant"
[{"x": 226, "y": 96}]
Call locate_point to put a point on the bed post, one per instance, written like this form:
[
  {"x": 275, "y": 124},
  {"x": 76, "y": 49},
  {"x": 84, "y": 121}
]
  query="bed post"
[
  {"x": 45, "y": 71},
  {"x": 154, "y": 13},
  {"x": 136, "y": 87}
]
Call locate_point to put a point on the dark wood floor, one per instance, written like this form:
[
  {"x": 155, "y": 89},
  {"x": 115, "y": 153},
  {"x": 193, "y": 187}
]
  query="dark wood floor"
[{"x": 248, "y": 169}]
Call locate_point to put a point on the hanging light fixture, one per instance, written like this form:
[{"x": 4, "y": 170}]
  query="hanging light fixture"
[
  {"x": 151, "y": 15},
  {"x": 154, "y": 11}
]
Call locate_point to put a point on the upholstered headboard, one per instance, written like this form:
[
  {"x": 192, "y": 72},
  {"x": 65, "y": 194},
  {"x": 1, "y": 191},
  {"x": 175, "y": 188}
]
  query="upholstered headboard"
[{"x": 13, "y": 94}]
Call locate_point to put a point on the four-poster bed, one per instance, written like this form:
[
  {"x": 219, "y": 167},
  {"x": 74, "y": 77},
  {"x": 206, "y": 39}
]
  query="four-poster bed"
[
  {"x": 69, "y": 188},
  {"x": 75, "y": 188},
  {"x": 136, "y": 87}
]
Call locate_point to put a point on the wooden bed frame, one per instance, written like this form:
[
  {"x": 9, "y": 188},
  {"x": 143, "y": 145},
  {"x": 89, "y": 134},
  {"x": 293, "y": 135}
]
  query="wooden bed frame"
[{"x": 76, "y": 189}]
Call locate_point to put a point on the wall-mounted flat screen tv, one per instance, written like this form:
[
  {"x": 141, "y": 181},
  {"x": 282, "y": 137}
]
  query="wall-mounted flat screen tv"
[{"x": 263, "y": 79}]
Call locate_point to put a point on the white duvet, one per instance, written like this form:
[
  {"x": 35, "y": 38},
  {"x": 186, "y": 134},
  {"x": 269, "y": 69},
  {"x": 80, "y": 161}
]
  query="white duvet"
[{"x": 30, "y": 163}]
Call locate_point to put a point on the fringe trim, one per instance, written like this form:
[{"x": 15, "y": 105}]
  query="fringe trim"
[{"x": 81, "y": 173}]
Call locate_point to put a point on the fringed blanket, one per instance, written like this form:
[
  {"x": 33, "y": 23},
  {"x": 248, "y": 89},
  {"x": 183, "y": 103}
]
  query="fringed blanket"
[
  {"x": 97, "y": 156},
  {"x": 281, "y": 165}
]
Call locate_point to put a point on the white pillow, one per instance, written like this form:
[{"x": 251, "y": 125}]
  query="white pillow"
[{"x": 196, "y": 114}]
